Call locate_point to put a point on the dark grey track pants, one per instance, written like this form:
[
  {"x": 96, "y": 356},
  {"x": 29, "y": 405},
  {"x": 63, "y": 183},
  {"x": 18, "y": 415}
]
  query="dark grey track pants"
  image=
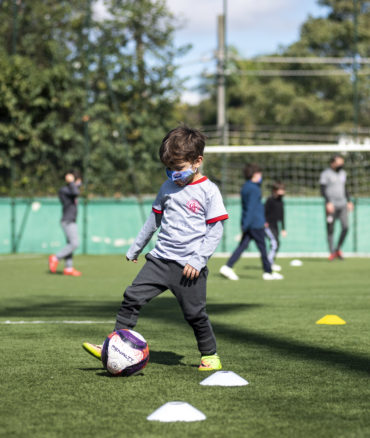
[
  {"x": 340, "y": 213},
  {"x": 155, "y": 277}
]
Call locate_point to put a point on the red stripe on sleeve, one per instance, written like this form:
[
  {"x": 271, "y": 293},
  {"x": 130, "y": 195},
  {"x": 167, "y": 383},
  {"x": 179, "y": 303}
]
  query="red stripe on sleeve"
[
  {"x": 157, "y": 211},
  {"x": 218, "y": 218}
]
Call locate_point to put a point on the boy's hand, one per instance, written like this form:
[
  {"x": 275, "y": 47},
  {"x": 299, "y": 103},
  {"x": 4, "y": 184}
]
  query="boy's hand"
[
  {"x": 330, "y": 208},
  {"x": 284, "y": 233},
  {"x": 190, "y": 272},
  {"x": 129, "y": 260}
]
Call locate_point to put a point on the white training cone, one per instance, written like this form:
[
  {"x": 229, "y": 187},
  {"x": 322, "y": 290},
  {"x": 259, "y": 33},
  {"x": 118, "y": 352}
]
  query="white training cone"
[
  {"x": 176, "y": 411},
  {"x": 296, "y": 262},
  {"x": 224, "y": 378}
]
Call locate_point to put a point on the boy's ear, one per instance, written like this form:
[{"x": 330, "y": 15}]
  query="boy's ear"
[{"x": 198, "y": 162}]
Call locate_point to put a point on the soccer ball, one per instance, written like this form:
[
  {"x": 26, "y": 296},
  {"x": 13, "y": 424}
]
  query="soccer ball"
[{"x": 124, "y": 353}]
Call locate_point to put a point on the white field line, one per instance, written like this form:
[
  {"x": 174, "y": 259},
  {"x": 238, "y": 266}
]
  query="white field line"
[
  {"x": 292, "y": 255},
  {"x": 8, "y": 322}
]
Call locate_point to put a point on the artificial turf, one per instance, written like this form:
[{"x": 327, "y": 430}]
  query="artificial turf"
[{"x": 305, "y": 380}]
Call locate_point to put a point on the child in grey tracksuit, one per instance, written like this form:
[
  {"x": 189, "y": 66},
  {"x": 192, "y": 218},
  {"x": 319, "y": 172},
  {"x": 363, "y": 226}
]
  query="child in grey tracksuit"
[{"x": 68, "y": 196}]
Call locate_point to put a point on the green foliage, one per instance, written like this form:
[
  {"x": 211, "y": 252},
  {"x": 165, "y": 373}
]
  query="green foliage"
[{"x": 92, "y": 93}]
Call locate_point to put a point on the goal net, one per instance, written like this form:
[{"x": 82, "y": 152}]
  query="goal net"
[{"x": 299, "y": 168}]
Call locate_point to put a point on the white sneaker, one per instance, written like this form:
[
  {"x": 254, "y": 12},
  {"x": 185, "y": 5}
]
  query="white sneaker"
[
  {"x": 228, "y": 272},
  {"x": 276, "y": 268},
  {"x": 272, "y": 276}
]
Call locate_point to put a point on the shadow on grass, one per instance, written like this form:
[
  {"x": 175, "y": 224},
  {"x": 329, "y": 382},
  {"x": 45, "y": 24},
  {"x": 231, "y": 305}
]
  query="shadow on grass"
[
  {"x": 285, "y": 347},
  {"x": 168, "y": 358},
  {"x": 252, "y": 268},
  {"x": 104, "y": 373},
  {"x": 251, "y": 276},
  {"x": 90, "y": 369},
  {"x": 167, "y": 309},
  {"x": 69, "y": 309},
  {"x": 320, "y": 260},
  {"x": 295, "y": 349},
  {"x": 57, "y": 307}
]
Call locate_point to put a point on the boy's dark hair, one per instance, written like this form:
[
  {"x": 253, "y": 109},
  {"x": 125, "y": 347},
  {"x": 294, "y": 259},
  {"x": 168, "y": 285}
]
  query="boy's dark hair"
[
  {"x": 278, "y": 185},
  {"x": 182, "y": 144},
  {"x": 251, "y": 169}
]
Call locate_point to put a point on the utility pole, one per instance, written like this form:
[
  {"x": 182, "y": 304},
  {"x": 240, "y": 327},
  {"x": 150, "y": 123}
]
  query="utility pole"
[
  {"x": 221, "y": 104},
  {"x": 355, "y": 70},
  {"x": 12, "y": 159},
  {"x": 355, "y": 113},
  {"x": 221, "y": 94},
  {"x": 85, "y": 120}
]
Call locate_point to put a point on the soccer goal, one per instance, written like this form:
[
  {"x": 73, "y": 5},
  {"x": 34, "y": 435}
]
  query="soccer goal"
[{"x": 298, "y": 167}]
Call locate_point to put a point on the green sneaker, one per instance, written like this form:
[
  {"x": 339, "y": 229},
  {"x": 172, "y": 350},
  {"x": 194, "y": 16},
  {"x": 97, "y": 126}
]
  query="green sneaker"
[
  {"x": 94, "y": 350},
  {"x": 210, "y": 363}
]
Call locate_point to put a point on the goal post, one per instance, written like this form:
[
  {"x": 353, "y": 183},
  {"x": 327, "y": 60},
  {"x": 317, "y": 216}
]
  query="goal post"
[{"x": 298, "y": 167}]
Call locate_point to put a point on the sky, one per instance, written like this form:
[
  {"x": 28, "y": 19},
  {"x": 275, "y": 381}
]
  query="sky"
[{"x": 254, "y": 27}]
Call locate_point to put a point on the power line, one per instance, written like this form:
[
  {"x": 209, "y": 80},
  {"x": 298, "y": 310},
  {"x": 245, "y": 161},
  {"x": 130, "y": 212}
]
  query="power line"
[
  {"x": 309, "y": 60},
  {"x": 335, "y": 72},
  {"x": 286, "y": 60}
]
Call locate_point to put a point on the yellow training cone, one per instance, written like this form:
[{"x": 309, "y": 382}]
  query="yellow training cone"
[{"x": 331, "y": 320}]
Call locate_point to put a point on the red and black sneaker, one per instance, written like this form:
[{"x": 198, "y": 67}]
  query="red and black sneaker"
[{"x": 339, "y": 254}]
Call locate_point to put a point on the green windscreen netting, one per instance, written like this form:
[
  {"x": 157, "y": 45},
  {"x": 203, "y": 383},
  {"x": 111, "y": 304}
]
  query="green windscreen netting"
[{"x": 111, "y": 226}]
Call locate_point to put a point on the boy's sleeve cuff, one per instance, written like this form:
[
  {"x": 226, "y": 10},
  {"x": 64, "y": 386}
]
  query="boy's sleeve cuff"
[
  {"x": 196, "y": 264},
  {"x": 217, "y": 219},
  {"x": 131, "y": 256}
]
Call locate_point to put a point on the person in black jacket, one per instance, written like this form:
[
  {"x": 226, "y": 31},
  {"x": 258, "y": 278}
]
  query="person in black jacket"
[
  {"x": 68, "y": 195},
  {"x": 275, "y": 222}
]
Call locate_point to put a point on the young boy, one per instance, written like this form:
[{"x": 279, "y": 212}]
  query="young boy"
[
  {"x": 253, "y": 225},
  {"x": 274, "y": 213},
  {"x": 68, "y": 195},
  {"x": 190, "y": 212}
]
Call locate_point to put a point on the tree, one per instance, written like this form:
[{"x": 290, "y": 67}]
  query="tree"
[
  {"x": 84, "y": 91},
  {"x": 37, "y": 127},
  {"x": 135, "y": 76}
]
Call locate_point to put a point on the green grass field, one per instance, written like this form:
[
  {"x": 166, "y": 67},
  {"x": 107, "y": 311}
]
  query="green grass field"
[{"x": 306, "y": 380}]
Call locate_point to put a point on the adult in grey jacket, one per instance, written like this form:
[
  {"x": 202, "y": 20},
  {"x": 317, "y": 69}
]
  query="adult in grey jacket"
[
  {"x": 68, "y": 196},
  {"x": 333, "y": 186}
]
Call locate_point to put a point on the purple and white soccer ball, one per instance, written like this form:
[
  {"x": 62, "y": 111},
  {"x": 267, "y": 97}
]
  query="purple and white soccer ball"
[{"x": 124, "y": 353}]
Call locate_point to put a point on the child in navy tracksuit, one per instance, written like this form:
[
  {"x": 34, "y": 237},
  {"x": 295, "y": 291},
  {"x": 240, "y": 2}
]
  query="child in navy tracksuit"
[{"x": 253, "y": 225}]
